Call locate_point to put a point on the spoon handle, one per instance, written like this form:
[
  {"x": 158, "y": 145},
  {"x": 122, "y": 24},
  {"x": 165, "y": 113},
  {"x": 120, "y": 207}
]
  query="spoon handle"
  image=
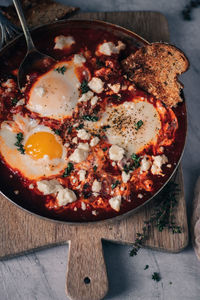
[{"x": 18, "y": 7}]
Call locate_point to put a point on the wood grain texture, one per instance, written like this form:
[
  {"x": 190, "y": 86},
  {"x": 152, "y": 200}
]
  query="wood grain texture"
[{"x": 21, "y": 231}]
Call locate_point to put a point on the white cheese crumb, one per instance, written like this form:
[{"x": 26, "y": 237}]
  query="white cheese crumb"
[
  {"x": 96, "y": 85},
  {"x": 94, "y": 141},
  {"x": 159, "y": 160},
  {"x": 96, "y": 186},
  {"x": 140, "y": 196},
  {"x": 79, "y": 59},
  {"x": 115, "y": 87},
  {"x": 66, "y": 145},
  {"x": 86, "y": 96},
  {"x": 31, "y": 186},
  {"x": 20, "y": 102},
  {"x": 75, "y": 140},
  {"x": 48, "y": 186},
  {"x": 145, "y": 165},
  {"x": 9, "y": 83},
  {"x": 74, "y": 180},
  {"x": 78, "y": 187},
  {"x": 75, "y": 208},
  {"x": 94, "y": 100},
  {"x": 78, "y": 155},
  {"x": 115, "y": 202},
  {"x": 113, "y": 163},
  {"x": 16, "y": 192},
  {"x": 65, "y": 196},
  {"x": 169, "y": 165},
  {"x": 116, "y": 153},
  {"x": 40, "y": 91},
  {"x": 94, "y": 212},
  {"x": 122, "y": 189},
  {"x": 82, "y": 174},
  {"x": 125, "y": 177},
  {"x": 83, "y": 134},
  {"x": 83, "y": 146},
  {"x": 83, "y": 206},
  {"x": 62, "y": 42},
  {"x": 109, "y": 48}
]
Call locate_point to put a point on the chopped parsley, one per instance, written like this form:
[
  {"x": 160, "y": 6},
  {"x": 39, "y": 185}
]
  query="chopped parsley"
[
  {"x": 61, "y": 70},
  {"x": 57, "y": 131},
  {"x": 68, "y": 170},
  {"x": 138, "y": 124},
  {"x": 69, "y": 129},
  {"x": 116, "y": 97},
  {"x": 84, "y": 87},
  {"x": 156, "y": 276},
  {"x": 104, "y": 149},
  {"x": 115, "y": 184},
  {"x": 100, "y": 63},
  {"x": 95, "y": 168},
  {"x": 80, "y": 126},
  {"x": 90, "y": 118},
  {"x": 136, "y": 160},
  {"x": 104, "y": 128},
  {"x": 20, "y": 146},
  {"x": 146, "y": 267},
  {"x": 14, "y": 101},
  {"x": 86, "y": 185}
]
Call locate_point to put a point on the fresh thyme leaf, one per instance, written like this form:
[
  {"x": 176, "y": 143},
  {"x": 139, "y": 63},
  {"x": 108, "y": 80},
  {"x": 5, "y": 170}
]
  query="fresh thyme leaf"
[
  {"x": 138, "y": 124},
  {"x": 90, "y": 118},
  {"x": 86, "y": 185},
  {"x": 104, "y": 128},
  {"x": 136, "y": 159},
  {"x": 115, "y": 184},
  {"x": 14, "y": 101},
  {"x": 104, "y": 149},
  {"x": 100, "y": 63},
  {"x": 84, "y": 87},
  {"x": 115, "y": 97},
  {"x": 68, "y": 170},
  {"x": 80, "y": 126},
  {"x": 19, "y": 144},
  {"x": 156, "y": 276},
  {"x": 146, "y": 267},
  {"x": 57, "y": 131},
  {"x": 61, "y": 70},
  {"x": 69, "y": 129},
  {"x": 95, "y": 168}
]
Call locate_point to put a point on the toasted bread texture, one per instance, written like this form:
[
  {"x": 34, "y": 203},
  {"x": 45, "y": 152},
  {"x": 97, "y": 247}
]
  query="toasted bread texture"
[
  {"x": 39, "y": 12},
  {"x": 155, "y": 68}
]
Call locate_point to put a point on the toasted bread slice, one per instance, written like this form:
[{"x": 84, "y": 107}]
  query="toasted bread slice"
[
  {"x": 155, "y": 68},
  {"x": 39, "y": 12}
]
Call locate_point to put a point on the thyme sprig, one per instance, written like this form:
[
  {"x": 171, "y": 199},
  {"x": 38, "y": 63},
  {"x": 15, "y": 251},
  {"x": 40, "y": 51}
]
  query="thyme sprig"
[
  {"x": 20, "y": 146},
  {"x": 161, "y": 218}
]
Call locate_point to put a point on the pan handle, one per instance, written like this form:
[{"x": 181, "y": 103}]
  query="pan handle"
[
  {"x": 86, "y": 274},
  {"x": 8, "y": 30}
]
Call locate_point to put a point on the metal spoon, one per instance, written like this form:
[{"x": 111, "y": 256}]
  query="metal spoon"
[{"x": 34, "y": 60}]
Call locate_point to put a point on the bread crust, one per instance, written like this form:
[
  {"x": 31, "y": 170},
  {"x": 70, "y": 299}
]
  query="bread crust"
[{"x": 155, "y": 69}]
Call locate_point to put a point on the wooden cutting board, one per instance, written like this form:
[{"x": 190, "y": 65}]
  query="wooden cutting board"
[{"x": 86, "y": 276}]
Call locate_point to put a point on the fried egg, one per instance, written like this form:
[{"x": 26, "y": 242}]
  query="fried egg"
[
  {"x": 55, "y": 94},
  {"x": 44, "y": 153},
  {"x": 123, "y": 121}
]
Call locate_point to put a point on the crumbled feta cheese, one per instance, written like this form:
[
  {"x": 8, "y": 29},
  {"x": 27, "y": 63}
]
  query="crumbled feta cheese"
[
  {"x": 40, "y": 91},
  {"x": 83, "y": 134},
  {"x": 115, "y": 202},
  {"x": 94, "y": 212},
  {"x": 140, "y": 196},
  {"x": 83, "y": 205},
  {"x": 122, "y": 189},
  {"x": 145, "y": 164},
  {"x": 86, "y": 96},
  {"x": 31, "y": 186},
  {"x": 109, "y": 48},
  {"x": 159, "y": 160},
  {"x": 78, "y": 155},
  {"x": 75, "y": 140},
  {"x": 16, "y": 192},
  {"x": 169, "y": 165},
  {"x": 62, "y": 42},
  {"x": 96, "y": 85},
  {"x": 83, "y": 146},
  {"x": 125, "y": 177},
  {"x": 94, "y": 100},
  {"x": 96, "y": 186},
  {"x": 66, "y": 145},
  {"x": 113, "y": 163},
  {"x": 65, "y": 196},
  {"x": 116, "y": 153},
  {"x": 9, "y": 83},
  {"x": 48, "y": 186},
  {"x": 20, "y": 102},
  {"x": 75, "y": 208},
  {"x": 74, "y": 180},
  {"x": 79, "y": 59},
  {"x": 94, "y": 141},
  {"x": 115, "y": 87},
  {"x": 82, "y": 174}
]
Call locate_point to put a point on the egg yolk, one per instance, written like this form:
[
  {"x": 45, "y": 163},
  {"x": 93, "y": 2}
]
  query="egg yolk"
[{"x": 43, "y": 143}]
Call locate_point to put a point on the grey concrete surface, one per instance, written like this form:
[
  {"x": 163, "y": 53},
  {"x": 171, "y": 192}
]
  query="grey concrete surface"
[{"x": 41, "y": 275}]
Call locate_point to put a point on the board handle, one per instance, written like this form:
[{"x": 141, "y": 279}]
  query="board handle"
[{"x": 86, "y": 273}]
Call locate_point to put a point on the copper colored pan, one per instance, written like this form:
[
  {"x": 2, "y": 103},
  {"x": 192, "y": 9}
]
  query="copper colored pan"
[{"x": 11, "y": 56}]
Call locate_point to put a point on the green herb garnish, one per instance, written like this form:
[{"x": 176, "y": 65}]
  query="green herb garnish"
[
  {"x": 115, "y": 184},
  {"x": 80, "y": 126},
  {"x": 100, "y": 63},
  {"x": 61, "y": 70},
  {"x": 95, "y": 168},
  {"x": 84, "y": 87},
  {"x": 86, "y": 185},
  {"x": 156, "y": 276},
  {"x": 69, "y": 129},
  {"x": 104, "y": 128},
  {"x": 90, "y": 118},
  {"x": 138, "y": 124},
  {"x": 57, "y": 131},
  {"x": 104, "y": 149},
  {"x": 68, "y": 170},
  {"x": 14, "y": 101},
  {"x": 136, "y": 159},
  {"x": 146, "y": 267},
  {"x": 19, "y": 144},
  {"x": 115, "y": 97}
]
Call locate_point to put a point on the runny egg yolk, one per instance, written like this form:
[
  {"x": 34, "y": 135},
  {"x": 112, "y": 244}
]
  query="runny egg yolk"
[{"x": 43, "y": 143}]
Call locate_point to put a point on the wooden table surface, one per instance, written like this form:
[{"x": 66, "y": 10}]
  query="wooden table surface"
[{"x": 41, "y": 275}]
